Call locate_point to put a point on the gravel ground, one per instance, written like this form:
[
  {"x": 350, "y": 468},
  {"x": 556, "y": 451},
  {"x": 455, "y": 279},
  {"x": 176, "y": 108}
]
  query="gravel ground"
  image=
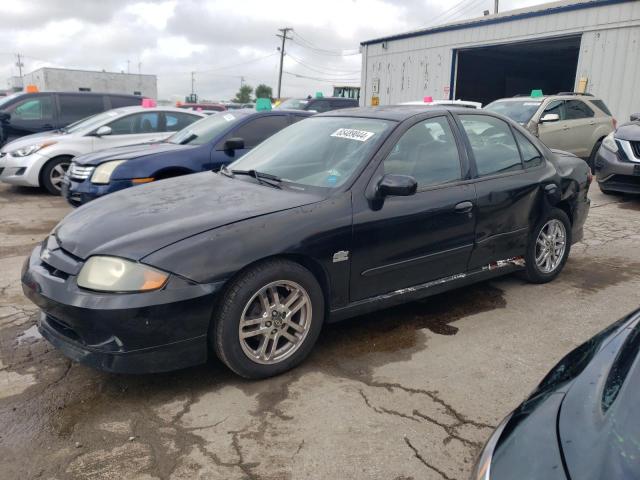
[{"x": 410, "y": 392}]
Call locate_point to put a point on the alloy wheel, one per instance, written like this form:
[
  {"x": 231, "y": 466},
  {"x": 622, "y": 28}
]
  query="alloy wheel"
[
  {"x": 550, "y": 246},
  {"x": 57, "y": 174},
  {"x": 275, "y": 322}
]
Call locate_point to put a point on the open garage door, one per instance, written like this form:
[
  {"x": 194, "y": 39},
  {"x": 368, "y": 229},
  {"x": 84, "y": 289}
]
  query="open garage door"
[{"x": 484, "y": 74}]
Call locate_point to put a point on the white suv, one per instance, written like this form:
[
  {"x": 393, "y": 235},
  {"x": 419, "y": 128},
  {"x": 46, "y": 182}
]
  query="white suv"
[{"x": 43, "y": 158}]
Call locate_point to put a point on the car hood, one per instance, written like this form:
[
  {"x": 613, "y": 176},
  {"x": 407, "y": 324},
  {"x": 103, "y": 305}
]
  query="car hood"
[
  {"x": 629, "y": 131},
  {"x": 138, "y": 221},
  {"x": 129, "y": 152},
  {"x": 31, "y": 139}
]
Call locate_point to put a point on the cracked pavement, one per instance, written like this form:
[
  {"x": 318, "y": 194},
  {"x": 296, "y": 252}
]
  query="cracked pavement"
[{"x": 407, "y": 393}]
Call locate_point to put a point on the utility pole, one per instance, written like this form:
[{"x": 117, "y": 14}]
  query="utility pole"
[
  {"x": 193, "y": 82},
  {"x": 241, "y": 82},
  {"x": 128, "y": 65},
  {"x": 19, "y": 63},
  {"x": 283, "y": 37},
  {"x": 495, "y": 6}
]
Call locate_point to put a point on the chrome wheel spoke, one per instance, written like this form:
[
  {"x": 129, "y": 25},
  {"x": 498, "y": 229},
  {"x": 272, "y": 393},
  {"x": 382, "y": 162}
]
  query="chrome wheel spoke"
[
  {"x": 275, "y": 322},
  {"x": 550, "y": 246}
]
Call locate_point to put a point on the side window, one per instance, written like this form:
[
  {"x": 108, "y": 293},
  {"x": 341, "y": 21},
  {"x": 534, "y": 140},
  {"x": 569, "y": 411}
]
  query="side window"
[
  {"x": 557, "y": 107},
  {"x": 177, "y": 121},
  {"x": 135, "y": 124},
  {"x": 320, "y": 106},
  {"x": 492, "y": 143},
  {"x": 37, "y": 108},
  {"x": 427, "y": 152},
  {"x": 119, "y": 102},
  {"x": 76, "y": 107},
  {"x": 255, "y": 131},
  {"x": 530, "y": 154},
  {"x": 575, "y": 110},
  {"x": 601, "y": 105}
]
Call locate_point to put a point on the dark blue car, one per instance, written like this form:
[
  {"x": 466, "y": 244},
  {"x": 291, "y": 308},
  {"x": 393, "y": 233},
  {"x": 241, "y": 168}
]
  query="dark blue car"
[{"x": 205, "y": 145}]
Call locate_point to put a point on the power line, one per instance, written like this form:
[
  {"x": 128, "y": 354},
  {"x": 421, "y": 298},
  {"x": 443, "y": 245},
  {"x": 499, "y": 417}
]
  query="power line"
[
  {"x": 324, "y": 67},
  {"x": 226, "y": 67},
  {"x": 322, "y": 71},
  {"x": 332, "y": 52},
  {"x": 323, "y": 79}
]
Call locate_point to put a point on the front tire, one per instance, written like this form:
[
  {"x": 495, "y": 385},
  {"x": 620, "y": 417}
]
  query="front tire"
[
  {"x": 52, "y": 174},
  {"x": 268, "y": 319},
  {"x": 548, "y": 247},
  {"x": 592, "y": 158}
]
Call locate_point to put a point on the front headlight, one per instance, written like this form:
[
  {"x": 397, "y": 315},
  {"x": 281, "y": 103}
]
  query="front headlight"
[
  {"x": 482, "y": 468},
  {"x": 103, "y": 172},
  {"x": 609, "y": 143},
  {"x": 112, "y": 274},
  {"x": 31, "y": 149}
]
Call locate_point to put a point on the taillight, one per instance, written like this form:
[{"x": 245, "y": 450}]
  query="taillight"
[{"x": 614, "y": 123}]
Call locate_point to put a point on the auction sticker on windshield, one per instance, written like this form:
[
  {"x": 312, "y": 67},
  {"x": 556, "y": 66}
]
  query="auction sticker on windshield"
[{"x": 353, "y": 134}]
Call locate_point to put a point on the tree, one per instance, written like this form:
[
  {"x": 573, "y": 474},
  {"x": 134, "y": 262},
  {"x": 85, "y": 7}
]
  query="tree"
[
  {"x": 244, "y": 94},
  {"x": 264, "y": 91}
]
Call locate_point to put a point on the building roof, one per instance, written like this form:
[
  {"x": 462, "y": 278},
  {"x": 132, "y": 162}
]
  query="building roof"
[
  {"x": 507, "y": 16},
  {"x": 90, "y": 71}
]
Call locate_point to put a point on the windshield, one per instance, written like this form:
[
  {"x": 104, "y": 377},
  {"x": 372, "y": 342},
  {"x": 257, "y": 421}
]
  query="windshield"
[
  {"x": 520, "y": 111},
  {"x": 91, "y": 122},
  {"x": 318, "y": 151},
  {"x": 294, "y": 104},
  {"x": 8, "y": 98},
  {"x": 205, "y": 130}
]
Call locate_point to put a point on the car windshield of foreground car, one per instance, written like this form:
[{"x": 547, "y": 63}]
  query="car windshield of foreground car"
[
  {"x": 316, "y": 152},
  {"x": 207, "y": 129},
  {"x": 294, "y": 104},
  {"x": 519, "y": 111}
]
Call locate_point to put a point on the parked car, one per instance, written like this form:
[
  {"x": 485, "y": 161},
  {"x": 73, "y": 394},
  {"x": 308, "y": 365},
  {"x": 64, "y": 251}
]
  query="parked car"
[
  {"x": 203, "y": 107},
  {"x": 41, "y": 160},
  {"x": 337, "y": 215},
  {"x": 319, "y": 105},
  {"x": 617, "y": 163},
  {"x": 26, "y": 113},
  {"x": 205, "y": 145},
  {"x": 451, "y": 103},
  {"x": 571, "y": 122},
  {"x": 581, "y": 422}
]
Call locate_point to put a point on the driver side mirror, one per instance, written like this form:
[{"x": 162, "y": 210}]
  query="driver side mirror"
[
  {"x": 549, "y": 117},
  {"x": 397, "y": 185},
  {"x": 4, "y": 116},
  {"x": 103, "y": 130},
  {"x": 235, "y": 143}
]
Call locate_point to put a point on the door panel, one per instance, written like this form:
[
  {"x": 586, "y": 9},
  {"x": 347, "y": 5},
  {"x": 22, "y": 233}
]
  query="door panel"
[{"x": 411, "y": 240}]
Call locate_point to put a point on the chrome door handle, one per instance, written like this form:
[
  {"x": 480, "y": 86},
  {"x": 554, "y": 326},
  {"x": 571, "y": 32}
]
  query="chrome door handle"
[{"x": 464, "y": 207}]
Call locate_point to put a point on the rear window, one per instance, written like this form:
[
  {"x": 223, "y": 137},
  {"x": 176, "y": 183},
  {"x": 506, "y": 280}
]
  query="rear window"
[
  {"x": 519, "y": 111},
  {"x": 119, "y": 102},
  {"x": 600, "y": 105}
]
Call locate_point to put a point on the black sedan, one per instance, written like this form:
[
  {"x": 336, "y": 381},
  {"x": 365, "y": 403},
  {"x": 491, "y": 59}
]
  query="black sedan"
[
  {"x": 583, "y": 420},
  {"x": 337, "y": 215}
]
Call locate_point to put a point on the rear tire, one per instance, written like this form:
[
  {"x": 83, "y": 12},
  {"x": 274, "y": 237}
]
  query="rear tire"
[
  {"x": 278, "y": 298},
  {"x": 548, "y": 247},
  {"x": 52, "y": 174}
]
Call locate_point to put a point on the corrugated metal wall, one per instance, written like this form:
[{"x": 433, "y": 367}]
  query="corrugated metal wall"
[{"x": 408, "y": 69}]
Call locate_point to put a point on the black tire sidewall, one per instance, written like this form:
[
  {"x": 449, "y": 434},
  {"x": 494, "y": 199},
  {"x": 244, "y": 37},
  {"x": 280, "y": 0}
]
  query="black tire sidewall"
[
  {"x": 533, "y": 273},
  {"x": 45, "y": 176},
  {"x": 592, "y": 158},
  {"x": 224, "y": 332}
]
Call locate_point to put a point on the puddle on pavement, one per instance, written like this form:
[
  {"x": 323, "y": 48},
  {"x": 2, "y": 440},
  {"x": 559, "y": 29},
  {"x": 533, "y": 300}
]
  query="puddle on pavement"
[
  {"x": 399, "y": 328},
  {"x": 591, "y": 276}
]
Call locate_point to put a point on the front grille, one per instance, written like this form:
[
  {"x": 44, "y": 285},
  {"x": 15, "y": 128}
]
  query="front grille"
[
  {"x": 78, "y": 172},
  {"x": 635, "y": 146}
]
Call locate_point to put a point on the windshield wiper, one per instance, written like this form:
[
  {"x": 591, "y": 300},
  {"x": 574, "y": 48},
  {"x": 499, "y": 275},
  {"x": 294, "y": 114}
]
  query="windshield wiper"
[
  {"x": 260, "y": 177},
  {"x": 224, "y": 170}
]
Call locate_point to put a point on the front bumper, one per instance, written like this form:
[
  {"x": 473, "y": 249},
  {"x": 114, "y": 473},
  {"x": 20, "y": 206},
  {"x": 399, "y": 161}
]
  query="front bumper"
[
  {"x": 125, "y": 333},
  {"x": 80, "y": 192},
  {"x": 615, "y": 173},
  {"x": 24, "y": 171}
]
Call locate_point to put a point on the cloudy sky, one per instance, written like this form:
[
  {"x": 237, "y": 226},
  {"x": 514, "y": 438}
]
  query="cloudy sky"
[{"x": 220, "y": 40}]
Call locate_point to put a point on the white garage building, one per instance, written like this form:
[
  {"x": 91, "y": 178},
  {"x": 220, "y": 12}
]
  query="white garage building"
[{"x": 588, "y": 45}]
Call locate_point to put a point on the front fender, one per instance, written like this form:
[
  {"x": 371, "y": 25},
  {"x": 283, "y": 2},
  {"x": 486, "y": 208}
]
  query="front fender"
[{"x": 314, "y": 231}]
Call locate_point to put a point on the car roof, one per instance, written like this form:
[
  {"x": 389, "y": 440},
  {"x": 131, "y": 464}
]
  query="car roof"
[
  {"x": 394, "y": 112},
  {"x": 140, "y": 108},
  {"x": 544, "y": 97}
]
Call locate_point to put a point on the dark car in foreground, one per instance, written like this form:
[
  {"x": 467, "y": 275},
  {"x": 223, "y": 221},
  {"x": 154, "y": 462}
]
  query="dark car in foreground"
[
  {"x": 27, "y": 113},
  {"x": 205, "y": 145},
  {"x": 337, "y": 215},
  {"x": 617, "y": 163},
  {"x": 581, "y": 422}
]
